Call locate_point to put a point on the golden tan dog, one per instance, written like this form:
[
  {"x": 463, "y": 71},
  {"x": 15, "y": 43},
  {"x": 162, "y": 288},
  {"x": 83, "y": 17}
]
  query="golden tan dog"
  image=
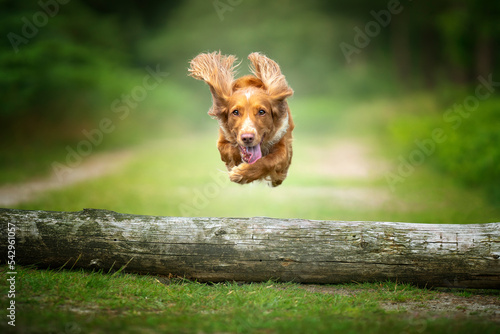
[{"x": 255, "y": 135}]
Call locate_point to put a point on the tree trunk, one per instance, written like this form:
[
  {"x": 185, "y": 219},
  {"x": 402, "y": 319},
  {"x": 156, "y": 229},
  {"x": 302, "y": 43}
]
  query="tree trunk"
[
  {"x": 401, "y": 49},
  {"x": 483, "y": 56},
  {"x": 258, "y": 249},
  {"x": 429, "y": 55}
]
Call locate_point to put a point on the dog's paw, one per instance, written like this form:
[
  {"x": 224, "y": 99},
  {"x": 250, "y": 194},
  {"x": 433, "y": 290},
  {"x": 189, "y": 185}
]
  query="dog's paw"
[
  {"x": 275, "y": 183},
  {"x": 237, "y": 174}
]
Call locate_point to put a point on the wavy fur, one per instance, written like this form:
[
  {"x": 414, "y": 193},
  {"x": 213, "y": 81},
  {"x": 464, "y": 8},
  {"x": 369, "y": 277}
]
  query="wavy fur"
[{"x": 255, "y": 136}]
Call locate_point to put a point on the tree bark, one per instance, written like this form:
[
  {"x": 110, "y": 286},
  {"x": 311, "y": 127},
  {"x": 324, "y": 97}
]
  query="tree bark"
[{"x": 258, "y": 249}]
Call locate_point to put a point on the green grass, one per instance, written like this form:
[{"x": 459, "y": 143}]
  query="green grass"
[{"x": 80, "y": 302}]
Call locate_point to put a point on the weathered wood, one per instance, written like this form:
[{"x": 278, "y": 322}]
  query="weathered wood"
[{"x": 259, "y": 249}]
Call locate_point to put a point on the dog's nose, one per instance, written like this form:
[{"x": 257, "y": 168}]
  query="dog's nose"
[{"x": 247, "y": 138}]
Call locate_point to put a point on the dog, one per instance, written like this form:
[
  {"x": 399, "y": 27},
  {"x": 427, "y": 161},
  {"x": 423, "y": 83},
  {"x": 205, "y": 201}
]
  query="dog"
[{"x": 255, "y": 123}]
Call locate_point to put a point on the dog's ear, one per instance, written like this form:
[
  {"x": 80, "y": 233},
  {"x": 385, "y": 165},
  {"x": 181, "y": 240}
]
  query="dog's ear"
[
  {"x": 217, "y": 71},
  {"x": 268, "y": 71}
]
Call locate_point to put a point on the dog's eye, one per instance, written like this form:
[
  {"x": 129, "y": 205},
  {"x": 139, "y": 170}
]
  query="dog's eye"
[
  {"x": 262, "y": 112},
  {"x": 236, "y": 113}
]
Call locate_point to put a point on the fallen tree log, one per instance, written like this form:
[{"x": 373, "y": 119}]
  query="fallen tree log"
[{"x": 258, "y": 249}]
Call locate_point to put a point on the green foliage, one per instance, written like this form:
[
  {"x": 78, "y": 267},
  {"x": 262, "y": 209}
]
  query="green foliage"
[
  {"x": 470, "y": 149},
  {"x": 299, "y": 37},
  {"x": 63, "y": 69},
  {"x": 471, "y": 152}
]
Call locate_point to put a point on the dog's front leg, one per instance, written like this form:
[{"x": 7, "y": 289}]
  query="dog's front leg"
[
  {"x": 229, "y": 153},
  {"x": 274, "y": 165}
]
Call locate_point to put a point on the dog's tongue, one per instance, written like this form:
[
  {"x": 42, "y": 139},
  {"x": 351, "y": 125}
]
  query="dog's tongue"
[{"x": 252, "y": 154}]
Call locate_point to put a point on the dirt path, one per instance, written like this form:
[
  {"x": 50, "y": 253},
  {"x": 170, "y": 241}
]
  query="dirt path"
[
  {"x": 443, "y": 303},
  {"x": 344, "y": 159},
  {"x": 95, "y": 166},
  {"x": 350, "y": 166}
]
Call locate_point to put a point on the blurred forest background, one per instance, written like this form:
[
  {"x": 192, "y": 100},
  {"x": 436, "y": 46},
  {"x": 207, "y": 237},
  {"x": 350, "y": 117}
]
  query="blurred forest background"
[{"x": 425, "y": 65}]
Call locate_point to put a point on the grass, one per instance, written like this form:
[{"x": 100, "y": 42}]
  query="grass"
[{"x": 64, "y": 301}]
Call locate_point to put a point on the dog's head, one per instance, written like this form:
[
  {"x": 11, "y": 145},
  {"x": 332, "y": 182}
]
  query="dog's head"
[{"x": 252, "y": 111}]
